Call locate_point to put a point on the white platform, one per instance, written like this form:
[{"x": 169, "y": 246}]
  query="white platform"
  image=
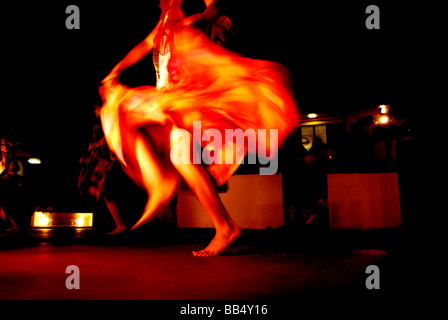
[{"x": 253, "y": 201}]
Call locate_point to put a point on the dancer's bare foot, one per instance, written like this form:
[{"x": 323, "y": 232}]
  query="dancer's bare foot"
[
  {"x": 118, "y": 229},
  {"x": 221, "y": 241}
]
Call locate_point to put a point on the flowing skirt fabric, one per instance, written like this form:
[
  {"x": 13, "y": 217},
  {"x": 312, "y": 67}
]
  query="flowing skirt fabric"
[{"x": 210, "y": 84}]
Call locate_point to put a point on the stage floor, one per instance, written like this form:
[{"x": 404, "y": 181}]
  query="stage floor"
[{"x": 157, "y": 264}]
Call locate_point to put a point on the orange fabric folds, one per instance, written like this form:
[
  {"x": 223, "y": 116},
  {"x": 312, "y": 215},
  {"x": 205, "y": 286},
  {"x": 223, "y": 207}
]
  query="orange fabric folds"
[{"x": 209, "y": 85}]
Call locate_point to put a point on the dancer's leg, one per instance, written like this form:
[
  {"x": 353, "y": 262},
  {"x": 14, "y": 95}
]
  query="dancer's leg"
[
  {"x": 160, "y": 183},
  {"x": 203, "y": 188},
  {"x": 2, "y": 214},
  {"x": 14, "y": 226},
  {"x": 112, "y": 206},
  {"x": 4, "y": 217}
]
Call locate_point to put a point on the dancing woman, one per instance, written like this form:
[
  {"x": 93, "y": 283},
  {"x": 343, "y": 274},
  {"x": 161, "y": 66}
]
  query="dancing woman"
[{"x": 197, "y": 80}]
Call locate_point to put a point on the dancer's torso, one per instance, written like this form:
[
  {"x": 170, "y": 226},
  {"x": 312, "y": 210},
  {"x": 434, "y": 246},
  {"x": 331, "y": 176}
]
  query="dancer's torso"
[{"x": 171, "y": 18}]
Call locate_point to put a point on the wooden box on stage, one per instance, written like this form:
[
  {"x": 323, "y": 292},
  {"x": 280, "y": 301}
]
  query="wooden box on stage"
[
  {"x": 363, "y": 200},
  {"x": 253, "y": 201}
]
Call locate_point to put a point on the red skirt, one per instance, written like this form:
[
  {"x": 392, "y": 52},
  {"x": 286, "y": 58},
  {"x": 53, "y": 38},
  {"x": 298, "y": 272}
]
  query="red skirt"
[{"x": 210, "y": 84}]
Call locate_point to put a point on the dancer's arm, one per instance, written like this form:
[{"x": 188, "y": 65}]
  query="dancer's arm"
[
  {"x": 135, "y": 55},
  {"x": 210, "y": 13}
]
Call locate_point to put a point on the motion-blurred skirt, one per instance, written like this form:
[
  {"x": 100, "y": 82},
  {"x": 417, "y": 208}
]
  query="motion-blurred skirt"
[{"x": 210, "y": 84}]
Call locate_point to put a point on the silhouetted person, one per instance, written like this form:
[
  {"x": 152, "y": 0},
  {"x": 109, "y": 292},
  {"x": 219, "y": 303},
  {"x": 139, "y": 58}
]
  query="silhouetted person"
[
  {"x": 318, "y": 145},
  {"x": 99, "y": 167},
  {"x": 362, "y": 143},
  {"x": 9, "y": 184}
]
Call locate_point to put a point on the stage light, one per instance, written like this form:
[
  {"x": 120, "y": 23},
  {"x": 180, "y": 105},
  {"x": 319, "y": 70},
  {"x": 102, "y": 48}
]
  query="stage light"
[
  {"x": 40, "y": 219},
  {"x": 61, "y": 219},
  {"x": 384, "y": 109},
  {"x": 43, "y": 221},
  {"x": 80, "y": 222},
  {"x": 34, "y": 161},
  {"x": 83, "y": 219},
  {"x": 312, "y": 115},
  {"x": 384, "y": 119}
]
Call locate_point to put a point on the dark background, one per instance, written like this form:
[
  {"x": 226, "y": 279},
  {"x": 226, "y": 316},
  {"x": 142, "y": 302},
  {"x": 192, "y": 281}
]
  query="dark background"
[{"x": 52, "y": 74}]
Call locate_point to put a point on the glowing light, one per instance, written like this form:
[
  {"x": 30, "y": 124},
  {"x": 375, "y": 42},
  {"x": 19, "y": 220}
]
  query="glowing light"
[
  {"x": 34, "y": 161},
  {"x": 43, "y": 221},
  {"x": 84, "y": 219},
  {"x": 61, "y": 219},
  {"x": 312, "y": 115},
  {"x": 383, "y": 109},
  {"x": 384, "y": 119},
  {"x": 80, "y": 222},
  {"x": 40, "y": 219}
]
